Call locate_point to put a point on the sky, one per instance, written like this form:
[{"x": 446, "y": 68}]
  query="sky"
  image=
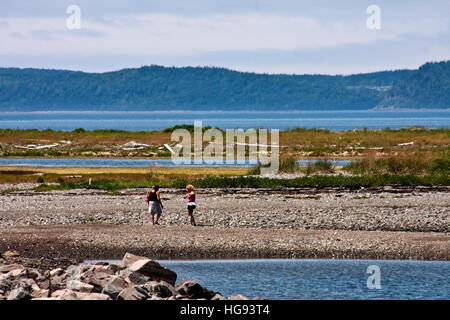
[{"x": 264, "y": 36}]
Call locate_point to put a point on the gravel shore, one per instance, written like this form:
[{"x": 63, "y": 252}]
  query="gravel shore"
[
  {"x": 385, "y": 223},
  {"x": 184, "y": 242},
  {"x": 383, "y": 210}
]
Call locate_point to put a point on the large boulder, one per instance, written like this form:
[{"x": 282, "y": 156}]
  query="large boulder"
[
  {"x": 149, "y": 268},
  {"x": 193, "y": 290}
]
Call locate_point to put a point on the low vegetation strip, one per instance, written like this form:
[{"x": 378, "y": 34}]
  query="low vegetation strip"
[
  {"x": 258, "y": 182},
  {"x": 302, "y": 143}
]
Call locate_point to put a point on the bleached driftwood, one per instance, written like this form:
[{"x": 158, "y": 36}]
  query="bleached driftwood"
[
  {"x": 406, "y": 144},
  {"x": 37, "y": 147},
  {"x": 133, "y": 145}
]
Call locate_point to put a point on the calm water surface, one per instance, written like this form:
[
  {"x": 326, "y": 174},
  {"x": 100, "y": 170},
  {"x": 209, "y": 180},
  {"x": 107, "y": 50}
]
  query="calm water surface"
[
  {"x": 318, "y": 279},
  {"x": 157, "y": 120},
  {"x": 105, "y": 162}
]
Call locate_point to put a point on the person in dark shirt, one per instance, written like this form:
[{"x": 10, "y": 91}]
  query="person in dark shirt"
[{"x": 154, "y": 204}]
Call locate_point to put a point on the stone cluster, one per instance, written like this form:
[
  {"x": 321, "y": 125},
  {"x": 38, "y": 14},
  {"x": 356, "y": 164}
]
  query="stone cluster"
[{"x": 136, "y": 278}]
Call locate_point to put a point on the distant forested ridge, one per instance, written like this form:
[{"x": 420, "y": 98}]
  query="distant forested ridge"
[
  {"x": 206, "y": 88},
  {"x": 429, "y": 87}
]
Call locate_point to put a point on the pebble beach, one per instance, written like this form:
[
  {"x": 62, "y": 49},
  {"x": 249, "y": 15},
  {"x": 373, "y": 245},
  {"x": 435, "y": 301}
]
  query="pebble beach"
[{"x": 380, "y": 223}]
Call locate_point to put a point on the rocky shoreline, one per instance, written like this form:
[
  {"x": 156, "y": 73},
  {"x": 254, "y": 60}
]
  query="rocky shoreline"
[{"x": 136, "y": 278}]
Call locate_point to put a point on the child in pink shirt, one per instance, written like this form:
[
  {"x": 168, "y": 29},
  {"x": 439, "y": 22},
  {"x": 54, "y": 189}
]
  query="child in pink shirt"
[{"x": 190, "y": 197}]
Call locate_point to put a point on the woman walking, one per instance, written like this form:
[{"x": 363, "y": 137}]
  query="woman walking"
[
  {"x": 154, "y": 204},
  {"x": 190, "y": 197}
]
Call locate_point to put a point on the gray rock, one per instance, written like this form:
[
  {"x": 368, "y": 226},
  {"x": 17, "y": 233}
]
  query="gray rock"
[
  {"x": 114, "y": 287},
  {"x": 238, "y": 297},
  {"x": 19, "y": 294},
  {"x": 56, "y": 272},
  {"x": 129, "y": 258},
  {"x": 26, "y": 283},
  {"x": 149, "y": 268},
  {"x": 132, "y": 293},
  {"x": 161, "y": 289},
  {"x": 218, "y": 296},
  {"x": 107, "y": 268},
  {"x": 95, "y": 296},
  {"x": 64, "y": 294},
  {"x": 10, "y": 254},
  {"x": 58, "y": 282},
  {"x": 35, "y": 274},
  {"x": 12, "y": 270},
  {"x": 133, "y": 277},
  {"x": 77, "y": 285},
  {"x": 41, "y": 293},
  {"x": 73, "y": 272},
  {"x": 99, "y": 280},
  {"x": 45, "y": 284},
  {"x": 46, "y": 298},
  {"x": 193, "y": 290}
]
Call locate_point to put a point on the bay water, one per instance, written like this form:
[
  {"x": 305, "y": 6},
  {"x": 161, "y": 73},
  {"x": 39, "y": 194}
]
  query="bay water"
[
  {"x": 298, "y": 279},
  {"x": 157, "y": 120}
]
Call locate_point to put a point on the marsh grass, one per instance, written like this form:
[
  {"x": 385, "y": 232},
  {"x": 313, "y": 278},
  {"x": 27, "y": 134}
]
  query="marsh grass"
[
  {"x": 288, "y": 165},
  {"x": 318, "y": 141},
  {"x": 324, "y": 166},
  {"x": 417, "y": 163}
]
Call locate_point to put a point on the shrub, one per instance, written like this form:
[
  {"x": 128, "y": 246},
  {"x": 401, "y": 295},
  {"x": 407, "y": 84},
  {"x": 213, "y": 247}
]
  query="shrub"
[
  {"x": 324, "y": 165},
  {"x": 288, "y": 165}
]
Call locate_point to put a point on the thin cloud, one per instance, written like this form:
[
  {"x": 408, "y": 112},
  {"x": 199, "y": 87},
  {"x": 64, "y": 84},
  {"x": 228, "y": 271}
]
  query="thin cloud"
[{"x": 176, "y": 35}]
